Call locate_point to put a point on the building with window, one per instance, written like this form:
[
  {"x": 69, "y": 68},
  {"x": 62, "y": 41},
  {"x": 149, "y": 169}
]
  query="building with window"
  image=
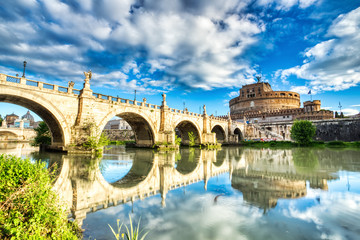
[{"x": 259, "y": 103}]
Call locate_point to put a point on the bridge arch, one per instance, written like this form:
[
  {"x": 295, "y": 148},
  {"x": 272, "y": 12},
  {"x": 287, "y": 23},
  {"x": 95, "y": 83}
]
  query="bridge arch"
[
  {"x": 220, "y": 133},
  {"x": 238, "y": 132},
  {"x": 7, "y": 135},
  {"x": 142, "y": 126},
  {"x": 50, "y": 114},
  {"x": 184, "y": 127}
]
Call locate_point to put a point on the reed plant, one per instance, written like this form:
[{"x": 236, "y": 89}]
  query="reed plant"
[{"x": 131, "y": 233}]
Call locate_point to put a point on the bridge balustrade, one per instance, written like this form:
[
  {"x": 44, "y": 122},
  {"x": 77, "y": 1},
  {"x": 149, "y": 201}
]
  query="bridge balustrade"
[
  {"x": 32, "y": 83},
  {"x": 62, "y": 89}
]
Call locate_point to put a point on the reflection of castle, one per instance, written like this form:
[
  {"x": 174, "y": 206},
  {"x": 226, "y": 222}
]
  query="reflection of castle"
[
  {"x": 259, "y": 103},
  {"x": 264, "y": 176}
]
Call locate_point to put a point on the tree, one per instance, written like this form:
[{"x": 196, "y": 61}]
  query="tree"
[
  {"x": 336, "y": 114},
  {"x": 1, "y": 119},
  {"x": 43, "y": 135},
  {"x": 302, "y": 132},
  {"x": 341, "y": 115}
]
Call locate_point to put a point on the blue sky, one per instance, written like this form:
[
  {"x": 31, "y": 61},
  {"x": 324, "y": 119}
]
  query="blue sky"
[{"x": 198, "y": 52}]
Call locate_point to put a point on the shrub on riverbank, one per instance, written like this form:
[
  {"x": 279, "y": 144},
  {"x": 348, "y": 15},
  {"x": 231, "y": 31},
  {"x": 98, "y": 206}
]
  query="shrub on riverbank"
[
  {"x": 302, "y": 132},
  {"x": 280, "y": 144},
  {"x": 29, "y": 208}
]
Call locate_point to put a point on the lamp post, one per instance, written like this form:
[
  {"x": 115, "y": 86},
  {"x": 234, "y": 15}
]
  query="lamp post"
[{"x": 24, "y": 69}]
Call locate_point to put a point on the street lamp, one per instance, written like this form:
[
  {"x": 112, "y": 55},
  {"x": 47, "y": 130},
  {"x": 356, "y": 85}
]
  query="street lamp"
[{"x": 24, "y": 69}]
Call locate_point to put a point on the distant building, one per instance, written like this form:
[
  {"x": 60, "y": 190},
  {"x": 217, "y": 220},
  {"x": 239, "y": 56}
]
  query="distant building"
[
  {"x": 29, "y": 117},
  {"x": 13, "y": 120},
  {"x": 120, "y": 124},
  {"x": 10, "y": 119},
  {"x": 26, "y": 122},
  {"x": 258, "y": 103}
]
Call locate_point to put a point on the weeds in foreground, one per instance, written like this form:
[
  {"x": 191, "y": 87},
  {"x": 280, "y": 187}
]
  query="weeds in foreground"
[{"x": 131, "y": 234}]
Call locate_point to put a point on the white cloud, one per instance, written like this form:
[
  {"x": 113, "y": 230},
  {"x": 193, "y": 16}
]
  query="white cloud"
[
  {"x": 301, "y": 89},
  {"x": 233, "y": 94},
  {"x": 287, "y": 4},
  {"x": 357, "y": 105},
  {"x": 332, "y": 65},
  {"x": 350, "y": 111}
]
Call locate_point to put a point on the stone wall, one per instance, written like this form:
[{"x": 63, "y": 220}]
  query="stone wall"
[
  {"x": 347, "y": 129},
  {"x": 119, "y": 135}
]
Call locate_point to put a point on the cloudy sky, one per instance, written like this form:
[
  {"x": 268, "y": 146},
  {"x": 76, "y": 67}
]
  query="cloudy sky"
[{"x": 197, "y": 51}]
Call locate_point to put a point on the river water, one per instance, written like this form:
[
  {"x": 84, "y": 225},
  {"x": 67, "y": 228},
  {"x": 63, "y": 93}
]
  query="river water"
[{"x": 233, "y": 193}]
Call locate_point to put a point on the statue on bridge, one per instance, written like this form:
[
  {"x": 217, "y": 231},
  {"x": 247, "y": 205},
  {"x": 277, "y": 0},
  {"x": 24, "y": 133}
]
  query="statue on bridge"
[
  {"x": 88, "y": 75},
  {"x": 87, "y": 79},
  {"x": 204, "y": 107}
]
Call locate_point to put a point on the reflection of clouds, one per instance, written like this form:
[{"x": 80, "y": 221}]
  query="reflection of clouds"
[
  {"x": 336, "y": 217},
  {"x": 196, "y": 217}
]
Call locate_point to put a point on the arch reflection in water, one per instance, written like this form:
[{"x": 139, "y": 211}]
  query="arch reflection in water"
[{"x": 84, "y": 188}]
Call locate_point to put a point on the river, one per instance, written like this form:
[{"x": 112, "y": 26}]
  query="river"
[{"x": 232, "y": 193}]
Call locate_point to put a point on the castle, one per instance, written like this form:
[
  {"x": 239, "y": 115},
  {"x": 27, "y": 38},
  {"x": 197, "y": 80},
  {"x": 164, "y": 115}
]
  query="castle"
[{"x": 258, "y": 103}]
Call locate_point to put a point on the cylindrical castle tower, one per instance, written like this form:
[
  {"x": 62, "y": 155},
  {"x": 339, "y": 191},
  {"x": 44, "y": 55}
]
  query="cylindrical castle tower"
[{"x": 260, "y": 97}]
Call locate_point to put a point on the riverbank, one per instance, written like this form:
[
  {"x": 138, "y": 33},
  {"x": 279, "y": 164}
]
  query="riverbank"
[
  {"x": 29, "y": 208},
  {"x": 289, "y": 144}
]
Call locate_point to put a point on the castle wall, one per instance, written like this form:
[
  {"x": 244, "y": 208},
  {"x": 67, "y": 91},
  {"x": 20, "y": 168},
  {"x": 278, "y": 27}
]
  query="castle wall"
[{"x": 346, "y": 129}]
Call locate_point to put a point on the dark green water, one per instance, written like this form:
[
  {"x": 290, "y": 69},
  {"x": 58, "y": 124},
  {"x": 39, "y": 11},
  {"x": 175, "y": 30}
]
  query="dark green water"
[{"x": 233, "y": 193}]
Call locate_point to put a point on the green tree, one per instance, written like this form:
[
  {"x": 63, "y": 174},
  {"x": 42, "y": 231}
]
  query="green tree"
[
  {"x": 1, "y": 119},
  {"x": 43, "y": 135},
  {"x": 302, "y": 132},
  {"x": 336, "y": 114},
  {"x": 341, "y": 115}
]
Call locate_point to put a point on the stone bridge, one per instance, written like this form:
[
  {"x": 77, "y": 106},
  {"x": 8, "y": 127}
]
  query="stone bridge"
[
  {"x": 16, "y": 134},
  {"x": 71, "y": 114},
  {"x": 81, "y": 185}
]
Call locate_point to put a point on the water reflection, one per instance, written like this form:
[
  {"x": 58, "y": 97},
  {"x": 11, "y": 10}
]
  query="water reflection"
[{"x": 261, "y": 187}]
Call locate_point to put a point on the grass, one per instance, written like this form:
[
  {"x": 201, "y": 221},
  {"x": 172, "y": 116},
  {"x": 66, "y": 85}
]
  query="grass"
[
  {"x": 120, "y": 142},
  {"x": 131, "y": 233},
  {"x": 29, "y": 208},
  {"x": 289, "y": 144}
]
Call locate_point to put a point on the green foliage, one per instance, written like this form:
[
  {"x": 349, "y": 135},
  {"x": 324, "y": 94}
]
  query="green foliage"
[
  {"x": 96, "y": 142},
  {"x": 1, "y": 119},
  {"x": 29, "y": 208},
  {"x": 177, "y": 140},
  {"x": 120, "y": 142},
  {"x": 336, "y": 144},
  {"x": 131, "y": 233},
  {"x": 192, "y": 139},
  {"x": 43, "y": 135},
  {"x": 96, "y": 139},
  {"x": 302, "y": 132},
  {"x": 273, "y": 144}
]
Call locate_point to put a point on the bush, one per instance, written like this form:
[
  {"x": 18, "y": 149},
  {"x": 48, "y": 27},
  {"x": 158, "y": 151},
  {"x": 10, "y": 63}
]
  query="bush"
[
  {"x": 29, "y": 208},
  {"x": 303, "y": 132}
]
